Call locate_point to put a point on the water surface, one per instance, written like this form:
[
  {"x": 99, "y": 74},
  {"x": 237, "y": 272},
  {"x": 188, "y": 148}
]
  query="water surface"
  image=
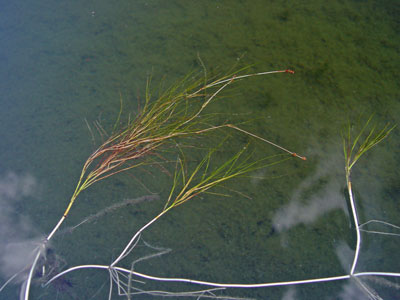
[{"x": 64, "y": 63}]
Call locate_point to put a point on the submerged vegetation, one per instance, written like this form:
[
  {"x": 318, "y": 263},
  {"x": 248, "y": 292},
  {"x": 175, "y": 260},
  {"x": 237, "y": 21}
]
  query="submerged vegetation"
[{"x": 179, "y": 113}]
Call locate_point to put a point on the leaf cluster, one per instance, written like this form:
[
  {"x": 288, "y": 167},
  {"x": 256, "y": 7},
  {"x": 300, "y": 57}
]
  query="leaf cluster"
[
  {"x": 368, "y": 137},
  {"x": 187, "y": 185}
]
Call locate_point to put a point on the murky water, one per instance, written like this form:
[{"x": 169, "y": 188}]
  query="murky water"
[{"x": 65, "y": 64}]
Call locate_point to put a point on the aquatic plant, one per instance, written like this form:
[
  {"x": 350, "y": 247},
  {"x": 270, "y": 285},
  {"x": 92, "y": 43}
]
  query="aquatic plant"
[{"x": 178, "y": 113}]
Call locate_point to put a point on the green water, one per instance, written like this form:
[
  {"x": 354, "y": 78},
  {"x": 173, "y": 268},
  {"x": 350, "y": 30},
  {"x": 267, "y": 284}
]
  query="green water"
[{"x": 62, "y": 63}]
